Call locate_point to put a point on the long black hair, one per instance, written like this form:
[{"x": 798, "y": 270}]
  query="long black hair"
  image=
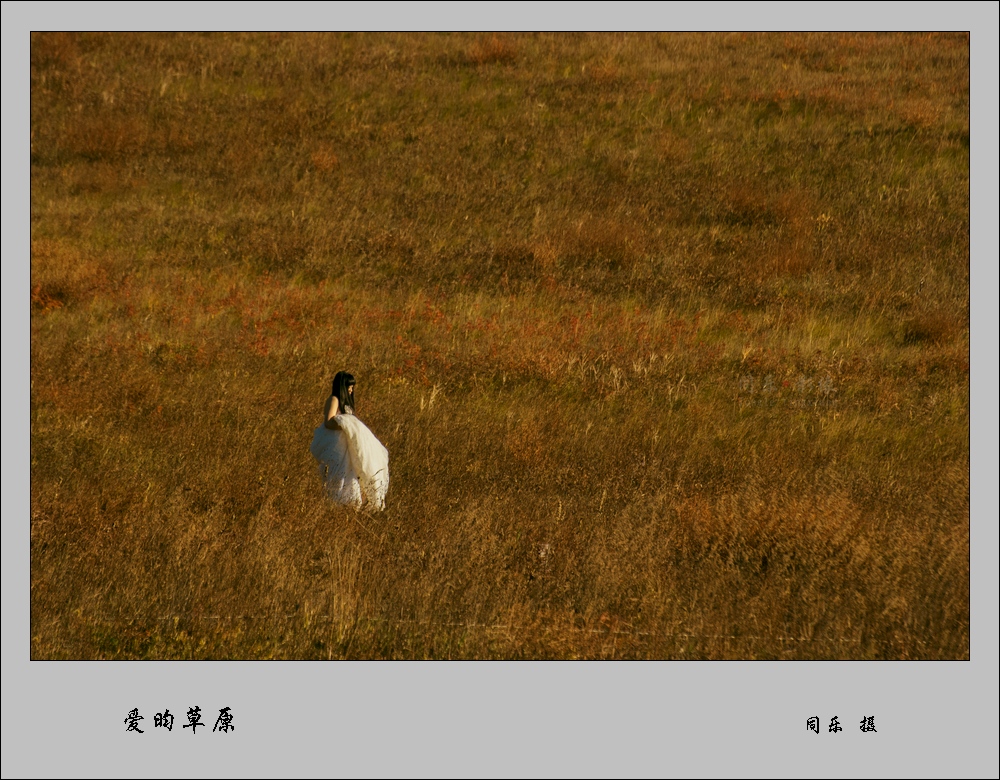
[{"x": 341, "y": 382}]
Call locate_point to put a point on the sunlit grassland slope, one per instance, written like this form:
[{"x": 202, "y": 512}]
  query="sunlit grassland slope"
[{"x": 667, "y": 337}]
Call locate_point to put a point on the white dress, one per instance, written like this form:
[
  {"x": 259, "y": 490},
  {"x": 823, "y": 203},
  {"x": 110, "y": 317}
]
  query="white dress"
[{"x": 352, "y": 462}]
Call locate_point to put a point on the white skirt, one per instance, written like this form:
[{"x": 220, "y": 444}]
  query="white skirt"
[{"x": 352, "y": 462}]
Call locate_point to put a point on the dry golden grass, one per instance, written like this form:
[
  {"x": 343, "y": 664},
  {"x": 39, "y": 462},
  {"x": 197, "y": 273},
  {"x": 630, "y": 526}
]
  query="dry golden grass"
[{"x": 667, "y": 337}]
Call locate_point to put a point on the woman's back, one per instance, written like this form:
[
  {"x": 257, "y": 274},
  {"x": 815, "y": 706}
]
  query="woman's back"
[{"x": 353, "y": 462}]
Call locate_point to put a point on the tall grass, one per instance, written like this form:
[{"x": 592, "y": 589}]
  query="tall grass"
[{"x": 667, "y": 337}]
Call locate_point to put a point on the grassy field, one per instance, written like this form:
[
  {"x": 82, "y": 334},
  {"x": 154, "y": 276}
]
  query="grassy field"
[{"x": 667, "y": 337}]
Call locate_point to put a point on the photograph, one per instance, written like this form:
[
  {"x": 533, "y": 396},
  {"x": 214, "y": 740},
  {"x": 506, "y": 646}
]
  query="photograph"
[{"x": 500, "y": 346}]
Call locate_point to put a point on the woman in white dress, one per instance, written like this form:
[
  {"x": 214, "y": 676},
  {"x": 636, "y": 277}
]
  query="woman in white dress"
[{"x": 352, "y": 462}]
